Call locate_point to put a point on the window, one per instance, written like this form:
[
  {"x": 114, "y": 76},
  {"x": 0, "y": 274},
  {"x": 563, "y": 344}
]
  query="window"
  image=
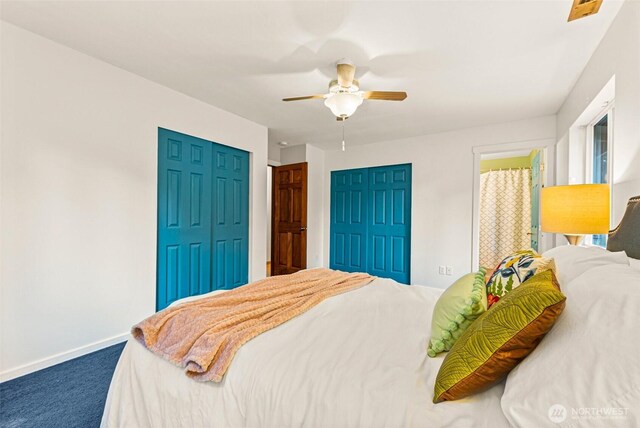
[
  {"x": 599, "y": 158},
  {"x": 598, "y": 155}
]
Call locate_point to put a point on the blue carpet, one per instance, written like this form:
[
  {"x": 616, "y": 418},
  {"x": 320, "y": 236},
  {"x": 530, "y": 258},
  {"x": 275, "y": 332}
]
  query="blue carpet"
[{"x": 71, "y": 394}]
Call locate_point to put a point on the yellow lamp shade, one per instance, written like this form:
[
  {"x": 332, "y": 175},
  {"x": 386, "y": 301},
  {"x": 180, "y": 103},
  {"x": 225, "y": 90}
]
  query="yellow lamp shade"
[{"x": 579, "y": 209}]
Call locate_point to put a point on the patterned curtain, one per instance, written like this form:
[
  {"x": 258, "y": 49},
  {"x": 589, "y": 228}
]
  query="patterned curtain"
[{"x": 505, "y": 214}]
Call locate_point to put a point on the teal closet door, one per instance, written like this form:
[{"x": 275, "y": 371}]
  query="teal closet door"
[
  {"x": 348, "y": 248},
  {"x": 184, "y": 217},
  {"x": 230, "y": 217},
  {"x": 203, "y": 217},
  {"x": 389, "y": 231},
  {"x": 370, "y": 226}
]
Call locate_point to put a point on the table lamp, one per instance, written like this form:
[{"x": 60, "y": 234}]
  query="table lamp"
[{"x": 575, "y": 210}]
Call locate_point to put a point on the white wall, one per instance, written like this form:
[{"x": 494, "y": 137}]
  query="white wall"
[
  {"x": 293, "y": 154},
  {"x": 315, "y": 214},
  {"x": 617, "y": 55},
  {"x": 562, "y": 160},
  {"x": 442, "y": 189},
  {"x": 273, "y": 152},
  {"x": 78, "y": 196}
]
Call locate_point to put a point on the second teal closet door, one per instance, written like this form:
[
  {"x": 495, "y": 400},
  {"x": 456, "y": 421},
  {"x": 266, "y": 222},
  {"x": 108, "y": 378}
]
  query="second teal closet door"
[
  {"x": 371, "y": 221},
  {"x": 203, "y": 217}
]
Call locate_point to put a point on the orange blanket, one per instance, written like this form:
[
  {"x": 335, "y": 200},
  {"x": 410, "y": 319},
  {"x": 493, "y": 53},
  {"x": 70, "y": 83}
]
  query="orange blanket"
[{"x": 204, "y": 335}]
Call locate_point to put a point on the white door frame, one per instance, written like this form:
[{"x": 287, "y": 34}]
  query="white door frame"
[{"x": 546, "y": 241}]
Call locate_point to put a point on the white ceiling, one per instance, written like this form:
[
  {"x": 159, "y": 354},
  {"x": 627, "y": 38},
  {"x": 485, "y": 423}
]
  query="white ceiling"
[{"x": 463, "y": 63}]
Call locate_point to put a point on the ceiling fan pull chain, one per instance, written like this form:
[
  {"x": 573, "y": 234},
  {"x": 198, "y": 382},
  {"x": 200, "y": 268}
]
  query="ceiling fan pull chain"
[{"x": 343, "y": 145}]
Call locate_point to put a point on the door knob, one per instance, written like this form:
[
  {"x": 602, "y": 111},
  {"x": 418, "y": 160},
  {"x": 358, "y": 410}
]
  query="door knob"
[{"x": 302, "y": 229}]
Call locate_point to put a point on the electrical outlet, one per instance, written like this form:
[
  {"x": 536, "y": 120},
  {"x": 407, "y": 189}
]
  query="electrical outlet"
[
  {"x": 449, "y": 270},
  {"x": 441, "y": 270}
]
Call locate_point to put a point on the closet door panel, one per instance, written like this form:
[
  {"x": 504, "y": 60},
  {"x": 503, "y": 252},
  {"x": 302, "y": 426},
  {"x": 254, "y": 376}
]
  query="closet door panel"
[
  {"x": 389, "y": 230},
  {"x": 184, "y": 217},
  {"x": 348, "y": 228},
  {"x": 230, "y": 203}
]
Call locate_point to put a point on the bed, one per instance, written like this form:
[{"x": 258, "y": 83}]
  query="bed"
[{"x": 358, "y": 360}]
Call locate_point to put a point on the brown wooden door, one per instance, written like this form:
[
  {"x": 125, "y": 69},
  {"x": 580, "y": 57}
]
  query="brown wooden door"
[{"x": 289, "y": 217}]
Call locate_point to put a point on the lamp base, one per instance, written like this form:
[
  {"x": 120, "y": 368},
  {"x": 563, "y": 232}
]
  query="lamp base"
[{"x": 574, "y": 239}]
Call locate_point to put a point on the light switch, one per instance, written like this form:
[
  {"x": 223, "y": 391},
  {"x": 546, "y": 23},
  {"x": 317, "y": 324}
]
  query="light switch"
[{"x": 449, "y": 270}]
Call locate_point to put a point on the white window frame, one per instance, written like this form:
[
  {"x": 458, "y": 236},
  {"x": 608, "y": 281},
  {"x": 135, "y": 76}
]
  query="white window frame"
[{"x": 608, "y": 110}]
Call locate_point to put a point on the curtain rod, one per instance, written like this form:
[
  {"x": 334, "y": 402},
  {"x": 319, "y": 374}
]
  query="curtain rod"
[{"x": 504, "y": 169}]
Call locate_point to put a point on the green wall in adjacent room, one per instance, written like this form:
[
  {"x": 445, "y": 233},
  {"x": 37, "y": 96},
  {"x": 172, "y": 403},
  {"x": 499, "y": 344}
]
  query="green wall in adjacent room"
[{"x": 505, "y": 163}]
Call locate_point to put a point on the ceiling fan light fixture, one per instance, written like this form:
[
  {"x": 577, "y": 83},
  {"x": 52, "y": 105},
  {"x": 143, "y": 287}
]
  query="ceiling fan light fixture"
[{"x": 343, "y": 104}]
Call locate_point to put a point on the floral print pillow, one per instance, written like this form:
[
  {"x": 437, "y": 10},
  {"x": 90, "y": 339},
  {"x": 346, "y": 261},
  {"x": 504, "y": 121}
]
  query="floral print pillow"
[{"x": 513, "y": 271}]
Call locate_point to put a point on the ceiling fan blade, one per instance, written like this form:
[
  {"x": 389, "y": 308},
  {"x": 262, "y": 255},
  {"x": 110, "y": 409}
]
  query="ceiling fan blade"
[
  {"x": 384, "y": 95},
  {"x": 308, "y": 97},
  {"x": 582, "y": 8},
  {"x": 346, "y": 72}
]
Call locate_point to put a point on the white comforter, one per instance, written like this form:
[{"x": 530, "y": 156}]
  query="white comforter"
[{"x": 355, "y": 360}]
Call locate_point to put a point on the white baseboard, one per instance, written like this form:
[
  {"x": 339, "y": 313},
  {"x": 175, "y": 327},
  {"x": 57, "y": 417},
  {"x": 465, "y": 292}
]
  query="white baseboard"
[{"x": 61, "y": 357}]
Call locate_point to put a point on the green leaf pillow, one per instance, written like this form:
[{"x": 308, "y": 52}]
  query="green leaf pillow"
[
  {"x": 500, "y": 338},
  {"x": 455, "y": 310}
]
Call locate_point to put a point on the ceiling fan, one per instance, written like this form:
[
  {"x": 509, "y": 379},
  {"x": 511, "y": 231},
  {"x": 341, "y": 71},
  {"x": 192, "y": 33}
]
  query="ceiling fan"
[{"x": 345, "y": 96}]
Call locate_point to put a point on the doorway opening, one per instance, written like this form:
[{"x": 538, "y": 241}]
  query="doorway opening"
[
  {"x": 546, "y": 148},
  {"x": 510, "y": 185}
]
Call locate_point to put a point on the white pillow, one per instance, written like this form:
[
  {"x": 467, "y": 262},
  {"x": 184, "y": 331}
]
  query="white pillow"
[
  {"x": 572, "y": 261},
  {"x": 635, "y": 263},
  {"x": 589, "y": 359}
]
